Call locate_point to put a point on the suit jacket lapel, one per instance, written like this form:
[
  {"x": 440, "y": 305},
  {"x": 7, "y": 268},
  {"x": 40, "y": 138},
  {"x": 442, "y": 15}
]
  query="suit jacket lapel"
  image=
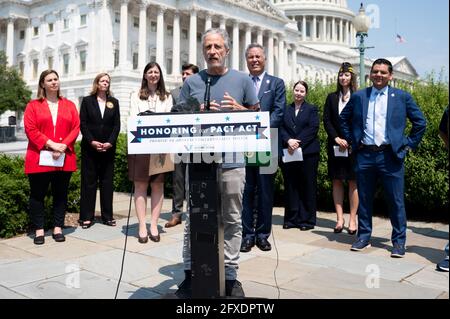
[
  {"x": 264, "y": 84},
  {"x": 365, "y": 105},
  {"x": 390, "y": 107}
]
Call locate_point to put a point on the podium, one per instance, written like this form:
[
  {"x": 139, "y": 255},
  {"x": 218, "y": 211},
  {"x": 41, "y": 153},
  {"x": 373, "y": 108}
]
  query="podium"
[
  {"x": 194, "y": 133},
  {"x": 207, "y": 241}
]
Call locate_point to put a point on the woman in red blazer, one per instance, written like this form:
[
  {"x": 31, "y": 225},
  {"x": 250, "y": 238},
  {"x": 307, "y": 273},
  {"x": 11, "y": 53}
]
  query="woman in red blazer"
[{"x": 52, "y": 124}]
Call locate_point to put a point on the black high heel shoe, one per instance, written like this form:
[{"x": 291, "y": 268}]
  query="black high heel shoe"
[
  {"x": 339, "y": 229},
  {"x": 155, "y": 239},
  {"x": 352, "y": 232}
]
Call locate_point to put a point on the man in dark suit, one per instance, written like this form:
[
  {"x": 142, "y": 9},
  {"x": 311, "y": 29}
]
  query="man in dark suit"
[
  {"x": 179, "y": 174},
  {"x": 272, "y": 98},
  {"x": 374, "y": 121}
]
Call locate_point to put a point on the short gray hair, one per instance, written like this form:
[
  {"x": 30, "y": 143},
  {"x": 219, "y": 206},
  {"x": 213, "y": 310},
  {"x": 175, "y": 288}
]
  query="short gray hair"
[
  {"x": 221, "y": 32},
  {"x": 255, "y": 45}
]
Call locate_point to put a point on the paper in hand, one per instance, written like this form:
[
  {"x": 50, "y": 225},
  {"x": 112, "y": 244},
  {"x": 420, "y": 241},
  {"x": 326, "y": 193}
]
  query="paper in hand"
[
  {"x": 46, "y": 159},
  {"x": 339, "y": 153},
  {"x": 295, "y": 157}
]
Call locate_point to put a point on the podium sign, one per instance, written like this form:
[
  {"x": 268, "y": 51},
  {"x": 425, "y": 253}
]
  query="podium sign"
[{"x": 207, "y": 132}]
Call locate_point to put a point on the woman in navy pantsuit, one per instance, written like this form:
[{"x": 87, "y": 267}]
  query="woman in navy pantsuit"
[
  {"x": 100, "y": 126},
  {"x": 299, "y": 130}
]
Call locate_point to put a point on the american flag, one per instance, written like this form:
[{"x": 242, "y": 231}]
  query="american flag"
[{"x": 400, "y": 39}]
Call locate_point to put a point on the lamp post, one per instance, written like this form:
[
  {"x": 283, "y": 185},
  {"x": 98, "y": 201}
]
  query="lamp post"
[{"x": 361, "y": 23}]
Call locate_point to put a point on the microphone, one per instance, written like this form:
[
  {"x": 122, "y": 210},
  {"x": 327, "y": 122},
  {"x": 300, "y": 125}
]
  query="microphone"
[{"x": 207, "y": 98}]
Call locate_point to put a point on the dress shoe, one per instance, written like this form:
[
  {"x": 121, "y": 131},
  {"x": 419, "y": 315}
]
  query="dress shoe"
[
  {"x": 306, "y": 227},
  {"x": 59, "y": 237},
  {"x": 233, "y": 288},
  {"x": 39, "y": 240},
  {"x": 143, "y": 240},
  {"x": 173, "y": 221},
  {"x": 338, "y": 229},
  {"x": 263, "y": 244},
  {"x": 155, "y": 239},
  {"x": 352, "y": 231},
  {"x": 247, "y": 244},
  {"x": 287, "y": 226}
]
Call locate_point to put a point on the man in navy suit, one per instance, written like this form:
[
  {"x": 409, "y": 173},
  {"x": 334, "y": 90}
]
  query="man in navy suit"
[
  {"x": 374, "y": 121},
  {"x": 258, "y": 192}
]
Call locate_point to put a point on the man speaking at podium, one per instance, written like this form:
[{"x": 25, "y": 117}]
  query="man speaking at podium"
[{"x": 219, "y": 88}]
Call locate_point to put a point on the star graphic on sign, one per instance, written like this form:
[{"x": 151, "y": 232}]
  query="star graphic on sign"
[
  {"x": 227, "y": 118},
  {"x": 197, "y": 119},
  {"x": 139, "y": 122},
  {"x": 257, "y": 117},
  {"x": 168, "y": 121}
]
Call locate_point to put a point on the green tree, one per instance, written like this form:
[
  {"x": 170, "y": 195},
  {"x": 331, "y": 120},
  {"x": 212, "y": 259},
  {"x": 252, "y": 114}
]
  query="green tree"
[{"x": 14, "y": 94}]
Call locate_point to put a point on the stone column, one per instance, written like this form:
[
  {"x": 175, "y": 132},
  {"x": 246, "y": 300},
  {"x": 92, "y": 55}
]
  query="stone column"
[
  {"x": 248, "y": 36},
  {"x": 341, "y": 30},
  {"x": 281, "y": 57},
  {"x": 313, "y": 29},
  {"x": 345, "y": 33},
  {"x": 193, "y": 37},
  {"x": 259, "y": 37},
  {"x": 208, "y": 21},
  {"x": 27, "y": 72},
  {"x": 142, "y": 54},
  {"x": 123, "y": 33},
  {"x": 160, "y": 38},
  {"x": 270, "y": 65},
  {"x": 324, "y": 28},
  {"x": 294, "y": 75},
  {"x": 303, "y": 28},
  {"x": 235, "y": 51},
  {"x": 333, "y": 30},
  {"x": 176, "y": 44},
  {"x": 10, "y": 40},
  {"x": 223, "y": 23}
]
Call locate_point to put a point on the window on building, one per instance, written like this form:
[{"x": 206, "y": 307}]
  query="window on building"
[
  {"x": 35, "y": 31},
  {"x": 83, "y": 61},
  {"x": 21, "y": 68},
  {"x": 35, "y": 68},
  {"x": 66, "y": 63},
  {"x": 153, "y": 26},
  {"x": 116, "y": 58},
  {"x": 135, "y": 60},
  {"x": 199, "y": 37},
  {"x": 66, "y": 24},
  {"x": 50, "y": 27},
  {"x": 184, "y": 34},
  {"x": 136, "y": 22},
  {"x": 50, "y": 62},
  {"x": 153, "y": 58},
  {"x": 83, "y": 20},
  {"x": 170, "y": 30},
  {"x": 308, "y": 29},
  {"x": 22, "y": 34},
  {"x": 117, "y": 17}
]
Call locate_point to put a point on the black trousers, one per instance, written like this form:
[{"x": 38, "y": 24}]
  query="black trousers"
[
  {"x": 179, "y": 180},
  {"x": 300, "y": 183},
  {"x": 97, "y": 169},
  {"x": 39, "y": 183}
]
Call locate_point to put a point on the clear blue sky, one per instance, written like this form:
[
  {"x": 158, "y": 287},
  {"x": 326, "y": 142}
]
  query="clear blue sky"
[{"x": 423, "y": 24}]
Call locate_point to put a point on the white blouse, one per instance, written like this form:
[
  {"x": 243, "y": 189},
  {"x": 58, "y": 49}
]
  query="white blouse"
[
  {"x": 53, "y": 111},
  {"x": 153, "y": 104}
]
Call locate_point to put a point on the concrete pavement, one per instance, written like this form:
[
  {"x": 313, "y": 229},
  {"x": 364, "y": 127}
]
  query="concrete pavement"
[{"x": 301, "y": 265}]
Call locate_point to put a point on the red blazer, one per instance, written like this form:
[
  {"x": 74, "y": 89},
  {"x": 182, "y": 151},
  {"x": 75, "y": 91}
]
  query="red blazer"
[{"x": 39, "y": 129}]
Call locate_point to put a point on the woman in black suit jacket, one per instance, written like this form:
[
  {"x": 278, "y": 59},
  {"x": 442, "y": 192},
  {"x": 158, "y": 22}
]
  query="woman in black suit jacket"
[
  {"x": 100, "y": 126},
  {"x": 299, "y": 130},
  {"x": 340, "y": 169}
]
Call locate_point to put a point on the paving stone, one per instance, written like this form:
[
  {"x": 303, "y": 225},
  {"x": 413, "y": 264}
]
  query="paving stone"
[
  {"x": 10, "y": 254},
  {"x": 6, "y": 293},
  {"x": 83, "y": 285}
]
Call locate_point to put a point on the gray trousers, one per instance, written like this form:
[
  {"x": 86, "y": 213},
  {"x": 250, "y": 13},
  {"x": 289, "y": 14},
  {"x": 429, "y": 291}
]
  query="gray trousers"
[{"x": 233, "y": 181}]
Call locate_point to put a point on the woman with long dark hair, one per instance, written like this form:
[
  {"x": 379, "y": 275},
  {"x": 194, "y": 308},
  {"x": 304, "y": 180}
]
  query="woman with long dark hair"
[
  {"x": 340, "y": 167},
  {"x": 152, "y": 97}
]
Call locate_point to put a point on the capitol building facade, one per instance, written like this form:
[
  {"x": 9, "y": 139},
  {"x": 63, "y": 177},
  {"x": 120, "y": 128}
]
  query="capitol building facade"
[{"x": 304, "y": 39}]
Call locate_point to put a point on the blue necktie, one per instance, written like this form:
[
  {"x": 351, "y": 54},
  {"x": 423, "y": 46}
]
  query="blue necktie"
[
  {"x": 256, "y": 83},
  {"x": 378, "y": 127}
]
